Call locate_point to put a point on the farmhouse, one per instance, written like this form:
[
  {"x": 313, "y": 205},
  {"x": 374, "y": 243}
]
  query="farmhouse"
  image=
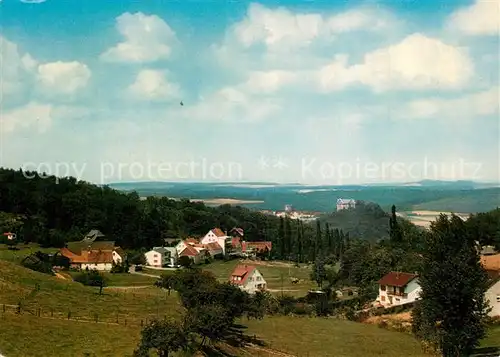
[
  {"x": 256, "y": 247},
  {"x": 492, "y": 295},
  {"x": 160, "y": 256},
  {"x": 192, "y": 253},
  {"x": 216, "y": 235},
  {"x": 397, "y": 288},
  {"x": 343, "y": 203},
  {"x": 92, "y": 253},
  {"x": 248, "y": 278}
]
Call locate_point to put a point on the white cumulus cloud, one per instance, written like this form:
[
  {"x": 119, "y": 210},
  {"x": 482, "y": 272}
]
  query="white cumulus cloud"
[
  {"x": 63, "y": 77},
  {"x": 467, "y": 106},
  {"x": 16, "y": 67},
  {"x": 480, "y": 18},
  {"x": 146, "y": 39},
  {"x": 417, "y": 62},
  {"x": 32, "y": 114},
  {"x": 154, "y": 85},
  {"x": 280, "y": 28}
]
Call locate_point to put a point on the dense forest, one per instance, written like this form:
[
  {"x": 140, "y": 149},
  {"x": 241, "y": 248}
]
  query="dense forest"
[
  {"x": 52, "y": 211},
  {"x": 365, "y": 241}
]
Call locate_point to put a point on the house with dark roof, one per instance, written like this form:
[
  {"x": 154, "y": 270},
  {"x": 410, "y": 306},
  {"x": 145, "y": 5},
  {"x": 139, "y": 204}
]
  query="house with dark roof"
[
  {"x": 248, "y": 278},
  {"x": 93, "y": 253},
  {"x": 397, "y": 288}
]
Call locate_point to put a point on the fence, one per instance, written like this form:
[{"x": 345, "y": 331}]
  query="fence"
[{"x": 48, "y": 313}]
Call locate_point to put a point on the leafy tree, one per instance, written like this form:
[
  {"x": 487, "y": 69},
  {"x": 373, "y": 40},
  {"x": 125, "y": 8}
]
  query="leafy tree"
[
  {"x": 211, "y": 322},
  {"x": 166, "y": 281},
  {"x": 318, "y": 273},
  {"x": 91, "y": 278},
  {"x": 452, "y": 310},
  {"x": 185, "y": 262},
  {"x": 162, "y": 336}
]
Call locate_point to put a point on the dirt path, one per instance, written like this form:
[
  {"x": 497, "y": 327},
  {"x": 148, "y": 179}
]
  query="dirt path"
[
  {"x": 129, "y": 287},
  {"x": 60, "y": 276},
  {"x": 269, "y": 351}
]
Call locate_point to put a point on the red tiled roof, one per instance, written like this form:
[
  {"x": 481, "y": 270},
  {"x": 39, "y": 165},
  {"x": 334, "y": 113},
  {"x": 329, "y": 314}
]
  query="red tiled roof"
[
  {"x": 191, "y": 240},
  {"x": 491, "y": 262},
  {"x": 213, "y": 247},
  {"x": 218, "y": 232},
  {"x": 238, "y": 230},
  {"x": 93, "y": 256},
  {"x": 397, "y": 279},
  {"x": 242, "y": 271},
  {"x": 260, "y": 246},
  {"x": 189, "y": 251}
]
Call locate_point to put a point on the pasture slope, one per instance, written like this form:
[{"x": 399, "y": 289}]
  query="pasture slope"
[{"x": 110, "y": 324}]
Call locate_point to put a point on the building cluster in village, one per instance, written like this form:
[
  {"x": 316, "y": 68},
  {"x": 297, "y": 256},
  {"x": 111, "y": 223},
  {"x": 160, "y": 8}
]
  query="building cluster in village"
[
  {"x": 95, "y": 252},
  {"x": 400, "y": 288},
  {"x": 292, "y": 213}
]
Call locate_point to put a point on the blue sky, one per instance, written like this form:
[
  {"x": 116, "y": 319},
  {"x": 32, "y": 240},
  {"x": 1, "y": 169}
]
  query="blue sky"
[{"x": 286, "y": 91}]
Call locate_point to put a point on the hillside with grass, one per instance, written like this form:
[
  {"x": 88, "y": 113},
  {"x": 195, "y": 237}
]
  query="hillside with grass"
[{"x": 110, "y": 324}]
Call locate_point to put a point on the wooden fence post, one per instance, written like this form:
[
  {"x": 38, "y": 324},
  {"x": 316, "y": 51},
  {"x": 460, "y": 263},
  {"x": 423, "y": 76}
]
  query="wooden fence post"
[
  {"x": 51, "y": 312},
  {"x": 69, "y": 315},
  {"x": 3, "y": 308}
]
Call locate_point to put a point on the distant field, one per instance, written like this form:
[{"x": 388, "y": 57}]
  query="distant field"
[
  {"x": 424, "y": 218},
  {"x": 437, "y": 196}
]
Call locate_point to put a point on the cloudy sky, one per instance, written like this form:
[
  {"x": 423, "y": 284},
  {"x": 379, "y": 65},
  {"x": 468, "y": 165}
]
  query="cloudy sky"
[{"x": 311, "y": 92}]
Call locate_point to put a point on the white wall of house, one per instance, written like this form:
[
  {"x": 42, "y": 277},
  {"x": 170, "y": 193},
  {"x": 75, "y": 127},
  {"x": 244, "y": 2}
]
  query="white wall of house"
[
  {"x": 117, "y": 258},
  {"x": 210, "y": 237},
  {"x": 154, "y": 259},
  {"x": 493, "y": 298},
  {"x": 97, "y": 266},
  {"x": 411, "y": 292},
  {"x": 180, "y": 247},
  {"x": 172, "y": 256},
  {"x": 254, "y": 282}
]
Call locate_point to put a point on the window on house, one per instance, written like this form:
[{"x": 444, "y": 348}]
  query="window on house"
[
  {"x": 382, "y": 287},
  {"x": 498, "y": 298}
]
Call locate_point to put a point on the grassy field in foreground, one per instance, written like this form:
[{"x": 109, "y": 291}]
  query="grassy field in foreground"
[
  {"x": 123, "y": 279},
  {"x": 18, "y": 284},
  {"x": 29, "y": 336},
  {"x": 319, "y": 337}
]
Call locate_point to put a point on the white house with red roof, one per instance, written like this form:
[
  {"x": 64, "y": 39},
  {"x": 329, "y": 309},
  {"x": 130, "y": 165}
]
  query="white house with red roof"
[
  {"x": 397, "y": 288},
  {"x": 248, "y": 278}
]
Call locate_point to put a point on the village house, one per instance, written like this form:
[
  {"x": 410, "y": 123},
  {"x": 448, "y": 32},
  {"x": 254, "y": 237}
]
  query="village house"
[
  {"x": 216, "y": 235},
  {"x": 492, "y": 295},
  {"x": 10, "y": 236},
  {"x": 93, "y": 253},
  {"x": 343, "y": 203},
  {"x": 261, "y": 247},
  {"x": 192, "y": 253},
  {"x": 397, "y": 288},
  {"x": 248, "y": 278},
  {"x": 161, "y": 256}
]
